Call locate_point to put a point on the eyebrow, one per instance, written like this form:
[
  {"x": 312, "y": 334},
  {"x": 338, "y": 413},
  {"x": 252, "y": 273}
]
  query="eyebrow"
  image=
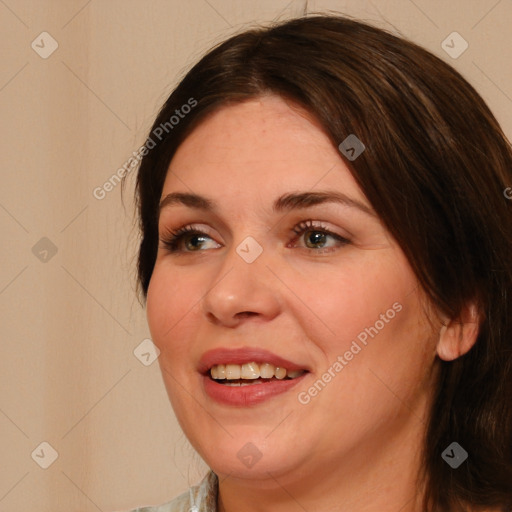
[{"x": 283, "y": 203}]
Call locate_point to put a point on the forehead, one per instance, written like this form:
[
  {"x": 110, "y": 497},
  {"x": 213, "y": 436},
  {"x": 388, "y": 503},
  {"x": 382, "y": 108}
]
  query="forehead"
[{"x": 262, "y": 146}]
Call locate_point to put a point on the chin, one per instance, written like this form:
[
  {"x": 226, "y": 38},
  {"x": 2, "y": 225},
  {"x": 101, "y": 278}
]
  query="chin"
[{"x": 250, "y": 457}]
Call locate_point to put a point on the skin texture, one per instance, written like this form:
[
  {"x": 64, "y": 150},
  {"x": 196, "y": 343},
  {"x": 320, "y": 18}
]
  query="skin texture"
[{"x": 356, "y": 445}]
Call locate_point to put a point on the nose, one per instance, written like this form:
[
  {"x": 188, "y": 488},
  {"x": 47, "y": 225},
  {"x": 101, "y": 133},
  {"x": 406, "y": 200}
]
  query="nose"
[{"x": 242, "y": 291}]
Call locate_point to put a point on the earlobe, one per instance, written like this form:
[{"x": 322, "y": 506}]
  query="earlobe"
[{"x": 458, "y": 335}]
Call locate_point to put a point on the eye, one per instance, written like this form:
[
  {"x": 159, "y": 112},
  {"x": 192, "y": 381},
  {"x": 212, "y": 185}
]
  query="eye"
[
  {"x": 193, "y": 239},
  {"x": 317, "y": 237}
]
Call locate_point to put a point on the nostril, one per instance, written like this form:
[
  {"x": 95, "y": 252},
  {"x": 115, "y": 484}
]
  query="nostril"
[{"x": 245, "y": 314}]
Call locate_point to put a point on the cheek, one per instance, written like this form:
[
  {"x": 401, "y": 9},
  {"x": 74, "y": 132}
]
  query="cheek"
[
  {"x": 156, "y": 304},
  {"x": 385, "y": 366},
  {"x": 169, "y": 312},
  {"x": 340, "y": 303},
  {"x": 168, "y": 303}
]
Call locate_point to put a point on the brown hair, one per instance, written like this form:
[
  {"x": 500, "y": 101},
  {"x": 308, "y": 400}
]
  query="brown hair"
[{"x": 435, "y": 167}]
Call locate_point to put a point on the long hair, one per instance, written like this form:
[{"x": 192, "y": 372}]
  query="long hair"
[{"x": 435, "y": 169}]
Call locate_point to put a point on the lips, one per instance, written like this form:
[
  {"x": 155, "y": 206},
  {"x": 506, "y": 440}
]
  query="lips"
[{"x": 247, "y": 395}]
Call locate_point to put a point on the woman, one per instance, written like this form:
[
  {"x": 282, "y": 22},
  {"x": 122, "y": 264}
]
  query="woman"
[{"x": 325, "y": 256}]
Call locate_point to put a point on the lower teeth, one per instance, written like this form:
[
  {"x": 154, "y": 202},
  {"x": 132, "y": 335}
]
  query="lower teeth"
[{"x": 240, "y": 384}]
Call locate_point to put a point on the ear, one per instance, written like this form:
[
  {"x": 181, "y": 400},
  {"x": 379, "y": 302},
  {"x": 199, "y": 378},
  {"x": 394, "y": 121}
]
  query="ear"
[{"x": 458, "y": 335}]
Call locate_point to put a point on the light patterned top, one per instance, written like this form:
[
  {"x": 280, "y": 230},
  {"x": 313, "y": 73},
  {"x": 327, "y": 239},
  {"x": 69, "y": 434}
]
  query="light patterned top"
[{"x": 199, "y": 498}]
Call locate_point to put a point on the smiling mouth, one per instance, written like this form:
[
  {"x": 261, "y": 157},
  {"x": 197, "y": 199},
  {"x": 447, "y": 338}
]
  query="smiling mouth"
[{"x": 252, "y": 373}]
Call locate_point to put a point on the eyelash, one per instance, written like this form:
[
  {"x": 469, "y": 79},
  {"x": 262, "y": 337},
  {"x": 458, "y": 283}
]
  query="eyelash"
[{"x": 174, "y": 238}]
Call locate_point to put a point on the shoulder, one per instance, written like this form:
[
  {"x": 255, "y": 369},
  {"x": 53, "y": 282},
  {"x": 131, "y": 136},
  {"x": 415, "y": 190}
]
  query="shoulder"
[{"x": 202, "y": 496}]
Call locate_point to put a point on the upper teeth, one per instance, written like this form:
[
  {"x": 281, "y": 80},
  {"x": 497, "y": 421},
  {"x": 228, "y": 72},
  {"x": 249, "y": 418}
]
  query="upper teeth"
[{"x": 252, "y": 371}]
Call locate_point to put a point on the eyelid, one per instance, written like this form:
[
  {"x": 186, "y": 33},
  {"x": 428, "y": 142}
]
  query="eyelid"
[
  {"x": 190, "y": 227},
  {"x": 311, "y": 223},
  {"x": 319, "y": 225}
]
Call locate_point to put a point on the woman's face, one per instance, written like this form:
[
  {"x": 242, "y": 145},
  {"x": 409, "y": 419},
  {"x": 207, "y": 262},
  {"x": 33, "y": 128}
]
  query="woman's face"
[{"x": 290, "y": 267}]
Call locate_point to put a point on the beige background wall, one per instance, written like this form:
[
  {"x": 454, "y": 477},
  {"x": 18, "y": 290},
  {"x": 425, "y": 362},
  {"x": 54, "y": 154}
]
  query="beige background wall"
[{"x": 70, "y": 321}]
